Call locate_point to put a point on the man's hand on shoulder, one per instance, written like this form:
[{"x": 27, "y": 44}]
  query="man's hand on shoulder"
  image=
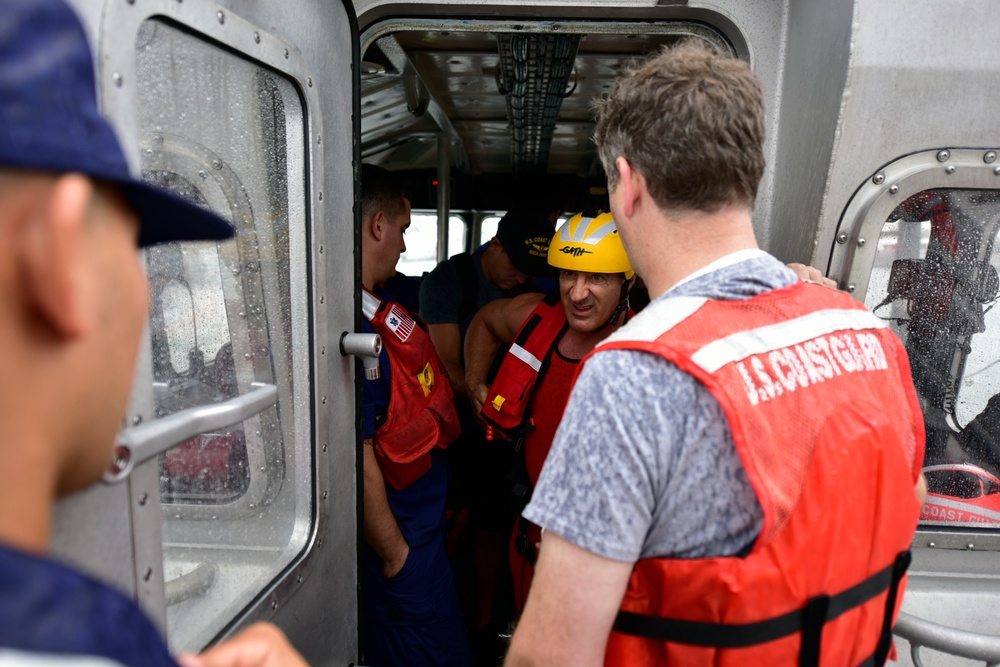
[
  {"x": 260, "y": 645},
  {"x": 812, "y": 274}
]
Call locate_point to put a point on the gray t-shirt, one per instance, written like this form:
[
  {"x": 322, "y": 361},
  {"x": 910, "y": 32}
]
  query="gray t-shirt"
[{"x": 643, "y": 464}]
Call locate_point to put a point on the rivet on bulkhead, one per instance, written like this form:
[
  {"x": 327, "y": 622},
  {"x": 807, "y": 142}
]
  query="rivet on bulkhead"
[
  {"x": 879, "y": 178},
  {"x": 943, "y": 155}
]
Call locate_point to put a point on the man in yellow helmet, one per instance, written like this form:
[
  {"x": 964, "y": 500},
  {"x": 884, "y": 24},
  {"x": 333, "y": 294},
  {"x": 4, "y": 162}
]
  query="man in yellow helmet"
[{"x": 550, "y": 335}]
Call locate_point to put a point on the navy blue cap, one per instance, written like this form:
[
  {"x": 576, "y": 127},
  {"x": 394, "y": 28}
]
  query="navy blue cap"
[
  {"x": 49, "y": 120},
  {"x": 525, "y": 234}
]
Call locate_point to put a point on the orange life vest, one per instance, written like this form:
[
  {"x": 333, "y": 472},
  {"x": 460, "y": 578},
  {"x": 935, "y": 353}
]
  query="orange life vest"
[
  {"x": 421, "y": 413},
  {"x": 818, "y": 396},
  {"x": 510, "y": 394},
  {"x": 552, "y": 394}
]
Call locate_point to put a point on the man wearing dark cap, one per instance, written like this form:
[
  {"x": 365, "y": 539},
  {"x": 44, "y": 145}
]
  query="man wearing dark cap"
[
  {"x": 450, "y": 295},
  {"x": 73, "y": 300}
]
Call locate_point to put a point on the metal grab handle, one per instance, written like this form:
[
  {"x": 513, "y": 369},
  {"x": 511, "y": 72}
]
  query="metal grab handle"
[
  {"x": 193, "y": 584},
  {"x": 923, "y": 633},
  {"x": 141, "y": 443}
]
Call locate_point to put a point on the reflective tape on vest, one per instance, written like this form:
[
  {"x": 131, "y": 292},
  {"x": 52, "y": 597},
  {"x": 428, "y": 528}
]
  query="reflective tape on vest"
[
  {"x": 526, "y": 357},
  {"x": 739, "y": 346}
]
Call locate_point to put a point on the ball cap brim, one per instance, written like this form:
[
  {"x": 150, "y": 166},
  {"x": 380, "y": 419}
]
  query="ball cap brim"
[{"x": 50, "y": 121}]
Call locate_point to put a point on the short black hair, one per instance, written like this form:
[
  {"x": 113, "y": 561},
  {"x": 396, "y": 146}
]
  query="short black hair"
[{"x": 381, "y": 190}]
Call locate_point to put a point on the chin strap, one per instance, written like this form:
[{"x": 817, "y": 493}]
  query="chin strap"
[{"x": 622, "y": 304}]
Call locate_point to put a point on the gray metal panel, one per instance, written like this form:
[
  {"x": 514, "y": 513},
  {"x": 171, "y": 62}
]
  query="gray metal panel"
[
  {"x": 815, "y": 68},
  {"x": 922, "y": 76},
  {"x": 315, "y": 600}
]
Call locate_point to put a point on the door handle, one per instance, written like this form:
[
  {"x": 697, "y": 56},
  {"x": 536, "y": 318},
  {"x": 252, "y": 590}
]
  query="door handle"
[{"x": 368, "y": 346}]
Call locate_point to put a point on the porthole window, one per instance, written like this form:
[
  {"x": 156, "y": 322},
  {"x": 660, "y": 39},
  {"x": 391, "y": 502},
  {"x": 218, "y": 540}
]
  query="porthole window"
[{"x": 929, "y": 246}]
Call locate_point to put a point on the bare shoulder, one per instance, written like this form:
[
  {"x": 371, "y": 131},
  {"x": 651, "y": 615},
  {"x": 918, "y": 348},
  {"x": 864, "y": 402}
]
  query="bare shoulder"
[
  {"x": 520, "y": 307},
  {"x": 507, "y": 315}
]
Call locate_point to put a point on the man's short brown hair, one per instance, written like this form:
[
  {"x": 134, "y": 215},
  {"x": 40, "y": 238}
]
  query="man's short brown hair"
[
  {"x": 691, "y": 121},
  {"x": 382, "y": 191}
]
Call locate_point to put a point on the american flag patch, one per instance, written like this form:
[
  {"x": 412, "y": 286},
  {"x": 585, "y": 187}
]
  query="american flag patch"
[{"x": 399, "y": 322}]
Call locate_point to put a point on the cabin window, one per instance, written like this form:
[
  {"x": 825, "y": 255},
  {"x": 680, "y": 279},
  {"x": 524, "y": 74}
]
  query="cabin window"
[
  {"x": 935, "y": 280},
  {"x": 421, "y": 242},
  {"x": 227, "y": 133}
]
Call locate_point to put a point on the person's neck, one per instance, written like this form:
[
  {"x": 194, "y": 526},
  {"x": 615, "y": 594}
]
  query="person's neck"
[
  {"x": 40, "y": 419},
  {"x": 367, "y": 279},
  {"x": 488, "y": 261},
  {"x": 692, "y": 241},
  {"x": 27, "y": 494},
  {"x": 578, "y": 344}
]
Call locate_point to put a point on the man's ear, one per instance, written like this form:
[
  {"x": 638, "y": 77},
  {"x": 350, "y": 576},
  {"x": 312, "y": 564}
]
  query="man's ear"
[
  {"x": 376, "y": 225},
  {"x": 50, "y": 257},
  {"x": 629, "y": 179}
]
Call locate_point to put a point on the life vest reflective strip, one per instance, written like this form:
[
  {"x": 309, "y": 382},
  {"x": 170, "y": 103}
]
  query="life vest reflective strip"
[
  {"x": 421, "y": 414},
  {"x": 804, "y": 375},
  {"x": 510, "y": 394}
]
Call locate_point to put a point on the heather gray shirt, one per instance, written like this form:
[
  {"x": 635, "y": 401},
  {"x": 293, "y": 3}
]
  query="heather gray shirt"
[{"x": 643, "y": 463}]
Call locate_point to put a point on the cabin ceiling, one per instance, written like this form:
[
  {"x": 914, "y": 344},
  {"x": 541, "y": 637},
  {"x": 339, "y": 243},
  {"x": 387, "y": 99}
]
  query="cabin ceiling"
[{"x": 418, "y": 85}]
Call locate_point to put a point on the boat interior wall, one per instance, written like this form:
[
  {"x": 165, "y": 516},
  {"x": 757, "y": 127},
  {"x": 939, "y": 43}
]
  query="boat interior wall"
[{"x": 815, "y": 62}]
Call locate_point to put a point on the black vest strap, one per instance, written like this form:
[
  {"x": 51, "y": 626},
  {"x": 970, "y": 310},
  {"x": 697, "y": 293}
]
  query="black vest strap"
[
  {"x": 885, "y": 642},
  {"x": 809, "y": 620},
  {"x": 813, "y": 620},
  {"x": 522, "y": 543}
]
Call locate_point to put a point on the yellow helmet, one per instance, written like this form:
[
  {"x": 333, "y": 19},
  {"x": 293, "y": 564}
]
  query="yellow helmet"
[{"x": 591, "y": 245}]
